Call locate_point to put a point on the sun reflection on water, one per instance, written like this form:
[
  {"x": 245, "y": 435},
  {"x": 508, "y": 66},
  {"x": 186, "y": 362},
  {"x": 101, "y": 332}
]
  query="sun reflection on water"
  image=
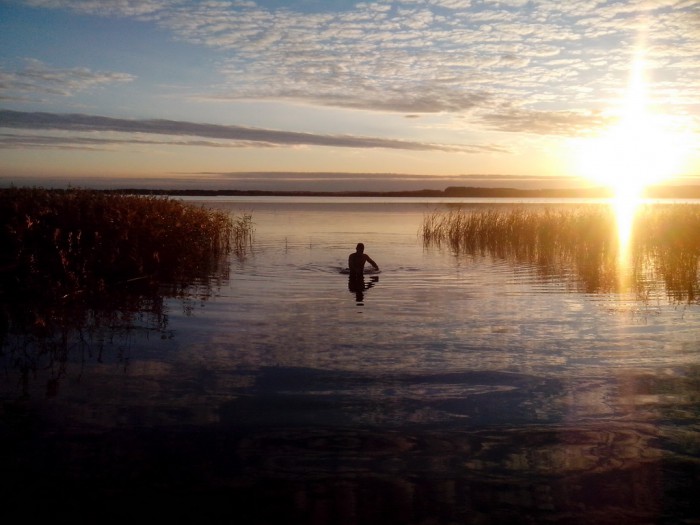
[{"x": 625, "y": 205}]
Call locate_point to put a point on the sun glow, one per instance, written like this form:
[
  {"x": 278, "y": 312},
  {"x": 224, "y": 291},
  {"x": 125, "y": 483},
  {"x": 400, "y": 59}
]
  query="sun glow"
[{"x": 640, "y": 149}]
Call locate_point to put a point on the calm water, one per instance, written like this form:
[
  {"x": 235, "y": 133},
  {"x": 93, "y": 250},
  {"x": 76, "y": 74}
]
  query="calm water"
[{"x": 452, "y": 389}]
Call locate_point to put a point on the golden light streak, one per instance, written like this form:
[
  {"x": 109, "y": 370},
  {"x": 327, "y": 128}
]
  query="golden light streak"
[{"x": 641, "y": 149}]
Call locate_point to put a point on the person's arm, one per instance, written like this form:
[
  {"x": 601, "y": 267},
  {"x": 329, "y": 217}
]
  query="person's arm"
[{"x": 369, "y": 260}]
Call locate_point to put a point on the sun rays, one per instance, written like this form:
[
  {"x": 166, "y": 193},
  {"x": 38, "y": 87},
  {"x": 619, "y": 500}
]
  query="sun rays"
[{"x": 644, "y": 147}]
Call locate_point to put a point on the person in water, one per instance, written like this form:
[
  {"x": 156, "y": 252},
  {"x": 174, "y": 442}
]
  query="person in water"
[{"x": 357, "y": 260}]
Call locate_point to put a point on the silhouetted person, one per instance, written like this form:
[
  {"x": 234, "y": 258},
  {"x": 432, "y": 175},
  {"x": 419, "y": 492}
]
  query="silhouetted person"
[{"x": 357, "y": 260}]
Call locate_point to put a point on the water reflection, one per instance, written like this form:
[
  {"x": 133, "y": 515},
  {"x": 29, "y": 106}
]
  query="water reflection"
[
  {"x": 625, "y": 206},
  {"x": 460, "y": 395},
  {"x": 43, "y": 332},
  {"x": 358, "y": 285}
]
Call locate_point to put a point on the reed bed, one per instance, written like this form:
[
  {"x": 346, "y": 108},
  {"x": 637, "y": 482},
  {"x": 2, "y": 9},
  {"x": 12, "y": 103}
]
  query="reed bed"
[
  {"x": 79, "y": 267},
  {"x": 670, "y": 237},
  {"x": 525, "y": 234},
  {"x": 582, "y": 241},
  {"x": 80, "y": 240}
]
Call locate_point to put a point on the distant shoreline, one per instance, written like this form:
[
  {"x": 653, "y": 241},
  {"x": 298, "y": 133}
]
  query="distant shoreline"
[{"x": 658, "y": 192}]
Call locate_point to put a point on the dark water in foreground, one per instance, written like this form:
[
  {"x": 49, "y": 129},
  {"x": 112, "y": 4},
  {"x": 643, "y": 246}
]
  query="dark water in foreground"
[{"x": 452, "y": 389}]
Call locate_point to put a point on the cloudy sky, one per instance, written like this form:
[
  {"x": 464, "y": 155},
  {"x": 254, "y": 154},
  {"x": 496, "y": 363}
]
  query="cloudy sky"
[{"x": 336, "y": 94}]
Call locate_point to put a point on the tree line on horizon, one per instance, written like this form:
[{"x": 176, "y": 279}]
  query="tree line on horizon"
[{"x": 659, "y": 192}]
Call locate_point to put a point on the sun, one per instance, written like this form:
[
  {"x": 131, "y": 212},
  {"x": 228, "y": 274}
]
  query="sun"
[{"x": 642, "y": 148}]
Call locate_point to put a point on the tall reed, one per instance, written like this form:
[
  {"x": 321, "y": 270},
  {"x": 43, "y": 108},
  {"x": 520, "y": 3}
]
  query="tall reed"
[
  {"x": 670, "y": 236},
  {"x": 78, "y": 239},
  {"x": 584, "y": 240}
]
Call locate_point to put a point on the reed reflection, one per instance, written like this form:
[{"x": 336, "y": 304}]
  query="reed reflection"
[
  {"x": 653, "y": 249},
  {"x": 41, "y": 337}
]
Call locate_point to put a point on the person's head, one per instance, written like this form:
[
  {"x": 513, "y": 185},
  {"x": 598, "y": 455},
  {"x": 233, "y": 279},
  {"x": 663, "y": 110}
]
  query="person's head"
[{"x": 360, "y": 247}]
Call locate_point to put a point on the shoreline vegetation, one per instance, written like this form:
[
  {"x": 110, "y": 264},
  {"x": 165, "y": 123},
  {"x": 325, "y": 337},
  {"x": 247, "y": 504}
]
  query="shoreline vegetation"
[
  {"x": 82, "y": 269},
  {"x": 665, "y": 241},
  {"x": 80, "y": 241}
]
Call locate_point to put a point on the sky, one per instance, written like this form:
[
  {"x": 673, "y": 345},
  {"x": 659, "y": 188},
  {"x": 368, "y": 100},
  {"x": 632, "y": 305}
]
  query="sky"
[{"x": 341, "y": 95}]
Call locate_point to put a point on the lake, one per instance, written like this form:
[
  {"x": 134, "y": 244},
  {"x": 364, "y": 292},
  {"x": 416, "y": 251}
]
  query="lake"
[{"x": 449, "y": 388}]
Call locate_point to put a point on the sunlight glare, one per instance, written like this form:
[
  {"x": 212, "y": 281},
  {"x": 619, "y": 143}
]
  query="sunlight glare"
[{"x": 641, "y": 149}]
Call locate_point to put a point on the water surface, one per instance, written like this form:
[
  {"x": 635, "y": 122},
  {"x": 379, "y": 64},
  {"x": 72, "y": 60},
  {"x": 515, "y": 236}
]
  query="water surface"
[{"x": 451, "y": 389}]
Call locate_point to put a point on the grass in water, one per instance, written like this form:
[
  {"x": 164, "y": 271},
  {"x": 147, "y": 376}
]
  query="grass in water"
[
  {"x": 580, "y": 242},
  {"x": 82, "y": 239},
  {"x": 79, "y": 267}
]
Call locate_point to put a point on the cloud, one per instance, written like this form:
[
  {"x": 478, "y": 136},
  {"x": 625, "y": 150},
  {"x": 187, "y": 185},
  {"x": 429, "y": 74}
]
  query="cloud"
[
  {"x": 424, "y": 56},
  {"x": 107, "y": 7},
  {"x": 237, "y": 134},
  {"x": 545, "y": 122},
  {"x": 432, "y": 56},
  {"x": 37, "y": 77},
  {"x": 73, "y": 142}
]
